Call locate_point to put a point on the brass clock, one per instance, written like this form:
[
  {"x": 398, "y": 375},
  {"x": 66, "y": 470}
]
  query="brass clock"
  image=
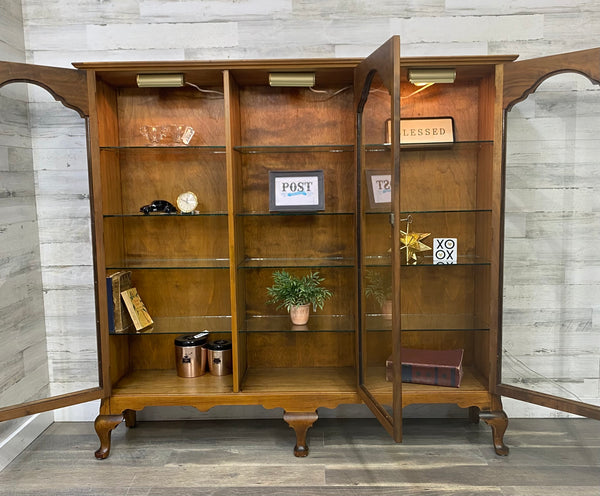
[{"x": 187, "y": 202}]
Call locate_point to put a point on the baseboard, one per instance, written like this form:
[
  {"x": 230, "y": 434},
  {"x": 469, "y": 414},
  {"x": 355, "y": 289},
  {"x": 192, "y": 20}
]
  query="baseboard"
[{"x": 22, "y": 436}]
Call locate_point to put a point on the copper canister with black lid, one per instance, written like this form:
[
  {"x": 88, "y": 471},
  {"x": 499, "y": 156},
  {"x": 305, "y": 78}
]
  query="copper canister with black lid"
[
  {"x": 219, "y": 357},
  {"x": 190, "y": 354}
]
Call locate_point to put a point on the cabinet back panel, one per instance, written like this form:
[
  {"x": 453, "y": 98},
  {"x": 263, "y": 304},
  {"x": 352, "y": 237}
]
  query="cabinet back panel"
[
  {"x": 157, "y": 351},
  {"x": 379, "y": 348},
  {"x": 170, "y": 106},
  {"x": 461, "y": 225},
  {"x": 338, "y": 177},
  {"x": 299, "y": 236},
  {"x": 437, "y": 290},
  {"x": 162, "y": 174},
  {"x": 442, "y": 179},
  {"x": 301, "y": 349},
  {"x": 339, "y": 281},
  {"x": 284, "y": 116},
  {"x": 174, "y": 238},
  {"x": 458, "y": 100},
  {"x": 173, "y": 293}
]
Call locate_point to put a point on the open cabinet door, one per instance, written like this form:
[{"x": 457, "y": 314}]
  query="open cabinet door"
[
  {"x": 377, "y": 104},
  {"x": 550, "y": 324},
  {"x": 49, "y": 307}
]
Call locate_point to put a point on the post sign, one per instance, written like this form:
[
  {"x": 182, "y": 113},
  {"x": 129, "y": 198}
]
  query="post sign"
[
  {"x": 296, "y": 191},
  {"x": 379, "y": 187}
]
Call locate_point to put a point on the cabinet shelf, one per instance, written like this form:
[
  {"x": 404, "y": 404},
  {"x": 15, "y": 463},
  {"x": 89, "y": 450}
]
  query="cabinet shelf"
[
  {"x": 426, "y": 261},
  {"x": 331, "y": 148},
  {"x": 162, "y": 215},
  {"x": 185, "y": 325},
  {"x": 173, "y": 263},
  {"x": 282, "y": 323},
  {"x": 425, "y": 322},
  {"x": 276, "y": 263},
  {"x": 287, "y": 214},
  {"x": 472, "y": 384},
  {"x": 386, "y": 147},
  {"x": 179, "y": 148}
]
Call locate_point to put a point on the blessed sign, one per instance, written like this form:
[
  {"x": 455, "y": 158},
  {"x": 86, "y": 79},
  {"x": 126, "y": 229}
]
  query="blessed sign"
[
  {"x": 296, "y": 191},
  {"x": 424, "y": 131}
]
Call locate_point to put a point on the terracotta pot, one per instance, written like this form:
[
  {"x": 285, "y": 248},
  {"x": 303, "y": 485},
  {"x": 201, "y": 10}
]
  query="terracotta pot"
[
  {"x": 386, "y": 309},
  {"x": 299, "y": 314}
]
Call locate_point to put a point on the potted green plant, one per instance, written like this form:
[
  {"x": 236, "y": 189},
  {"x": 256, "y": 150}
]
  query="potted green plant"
[
  {"x": 379, "y": 287},
  {"x": 296, "y": 294}
]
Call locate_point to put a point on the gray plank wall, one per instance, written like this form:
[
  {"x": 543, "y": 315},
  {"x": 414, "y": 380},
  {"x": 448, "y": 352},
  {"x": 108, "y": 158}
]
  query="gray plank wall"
[
  {"x": 23, "y": 353},
  {"x": 59, "y": 32}
]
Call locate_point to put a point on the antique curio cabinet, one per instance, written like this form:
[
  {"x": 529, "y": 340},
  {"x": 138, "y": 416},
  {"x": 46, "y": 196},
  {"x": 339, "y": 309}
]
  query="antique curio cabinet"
[{"x": 457, "y": 216}]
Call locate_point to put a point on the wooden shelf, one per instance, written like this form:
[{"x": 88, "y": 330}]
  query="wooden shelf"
[
  {"x": 472, "y": 391},
  {"x": 314, "y": 380},
  {"x": 300, "y": 380},
  {"x": 168, "y": 383}
]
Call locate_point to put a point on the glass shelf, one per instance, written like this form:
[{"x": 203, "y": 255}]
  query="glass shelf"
[
  {"x": 425, "y": 261},
  {"x": 433, "y": 211},
  {"x": 163, "y": 215},
  {"x": 316, "y": 323},
  {"x": 276, "y": 263},
  {"x": 386, "y": 147},
  {"x": 284, "y": 214},
  {"x": 295, "y": 149},
  {"x": 424, "y": 322},
  {"x": 185, "y": 325},
  {"x": 195, "y": 148},
  {"x": 337, "y": 148},
  {"x": 173, "y": 263}
]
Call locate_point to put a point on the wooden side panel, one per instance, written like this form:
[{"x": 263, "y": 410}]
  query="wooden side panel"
[{"x": 523, "y": 77}]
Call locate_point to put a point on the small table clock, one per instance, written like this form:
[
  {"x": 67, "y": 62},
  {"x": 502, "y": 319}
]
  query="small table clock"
[{"x": 187, "y": 202}]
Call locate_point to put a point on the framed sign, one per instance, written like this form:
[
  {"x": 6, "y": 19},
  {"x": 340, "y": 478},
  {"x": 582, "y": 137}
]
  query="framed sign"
[
  {"x": 379, "y": 187},
  {"x": 296, "y": 191}
]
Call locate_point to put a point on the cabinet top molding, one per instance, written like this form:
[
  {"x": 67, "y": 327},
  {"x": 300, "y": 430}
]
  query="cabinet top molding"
[{"x": 329, "y": 70}]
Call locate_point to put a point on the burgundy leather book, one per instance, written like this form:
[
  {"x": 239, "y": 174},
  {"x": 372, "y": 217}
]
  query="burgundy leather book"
[{"x": 435, "y": 367}]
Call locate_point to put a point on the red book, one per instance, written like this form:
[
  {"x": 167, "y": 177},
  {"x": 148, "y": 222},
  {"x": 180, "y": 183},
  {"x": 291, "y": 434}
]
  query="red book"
[{"x": 435, "y": 367}]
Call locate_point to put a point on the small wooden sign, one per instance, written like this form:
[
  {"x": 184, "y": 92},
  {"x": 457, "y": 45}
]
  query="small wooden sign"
[{"x": 430, "y": 130}]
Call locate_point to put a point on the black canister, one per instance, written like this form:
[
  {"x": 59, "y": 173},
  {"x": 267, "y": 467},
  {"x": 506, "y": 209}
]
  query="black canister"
[
  {"x": 190, "y": 354},
  {"x": 219, "y": 357}
]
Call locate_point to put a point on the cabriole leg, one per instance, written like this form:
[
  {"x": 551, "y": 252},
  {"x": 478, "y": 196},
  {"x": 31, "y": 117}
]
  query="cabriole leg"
[
  {"x": 104, "y": 425},
  {"x": 300, "y": 422},
  {"x": 498, "y": 421}
]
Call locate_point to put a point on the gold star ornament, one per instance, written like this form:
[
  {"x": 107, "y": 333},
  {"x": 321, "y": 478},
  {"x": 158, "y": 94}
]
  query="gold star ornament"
[{"x": 412, "y": 244}]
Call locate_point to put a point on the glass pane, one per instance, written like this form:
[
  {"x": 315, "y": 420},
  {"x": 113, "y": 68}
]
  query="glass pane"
[
  {"x": 47, "y": 303},
  {"x": 376, "y": 244},
  {"x": 551, "y": 305}
]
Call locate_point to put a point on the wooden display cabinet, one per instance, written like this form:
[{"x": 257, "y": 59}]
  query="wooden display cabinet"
[{"x": 211, "y": 270}]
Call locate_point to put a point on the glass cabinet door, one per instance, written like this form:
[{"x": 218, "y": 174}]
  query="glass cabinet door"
[
  {"x": 48, "y": 317},
  {"x": 550, "y": 350},
  {"x": 377, "y": 81}
]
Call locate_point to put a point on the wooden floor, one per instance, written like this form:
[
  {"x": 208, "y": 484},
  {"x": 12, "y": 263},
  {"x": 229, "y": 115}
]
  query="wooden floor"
[{"x": 348, "y": 457}]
